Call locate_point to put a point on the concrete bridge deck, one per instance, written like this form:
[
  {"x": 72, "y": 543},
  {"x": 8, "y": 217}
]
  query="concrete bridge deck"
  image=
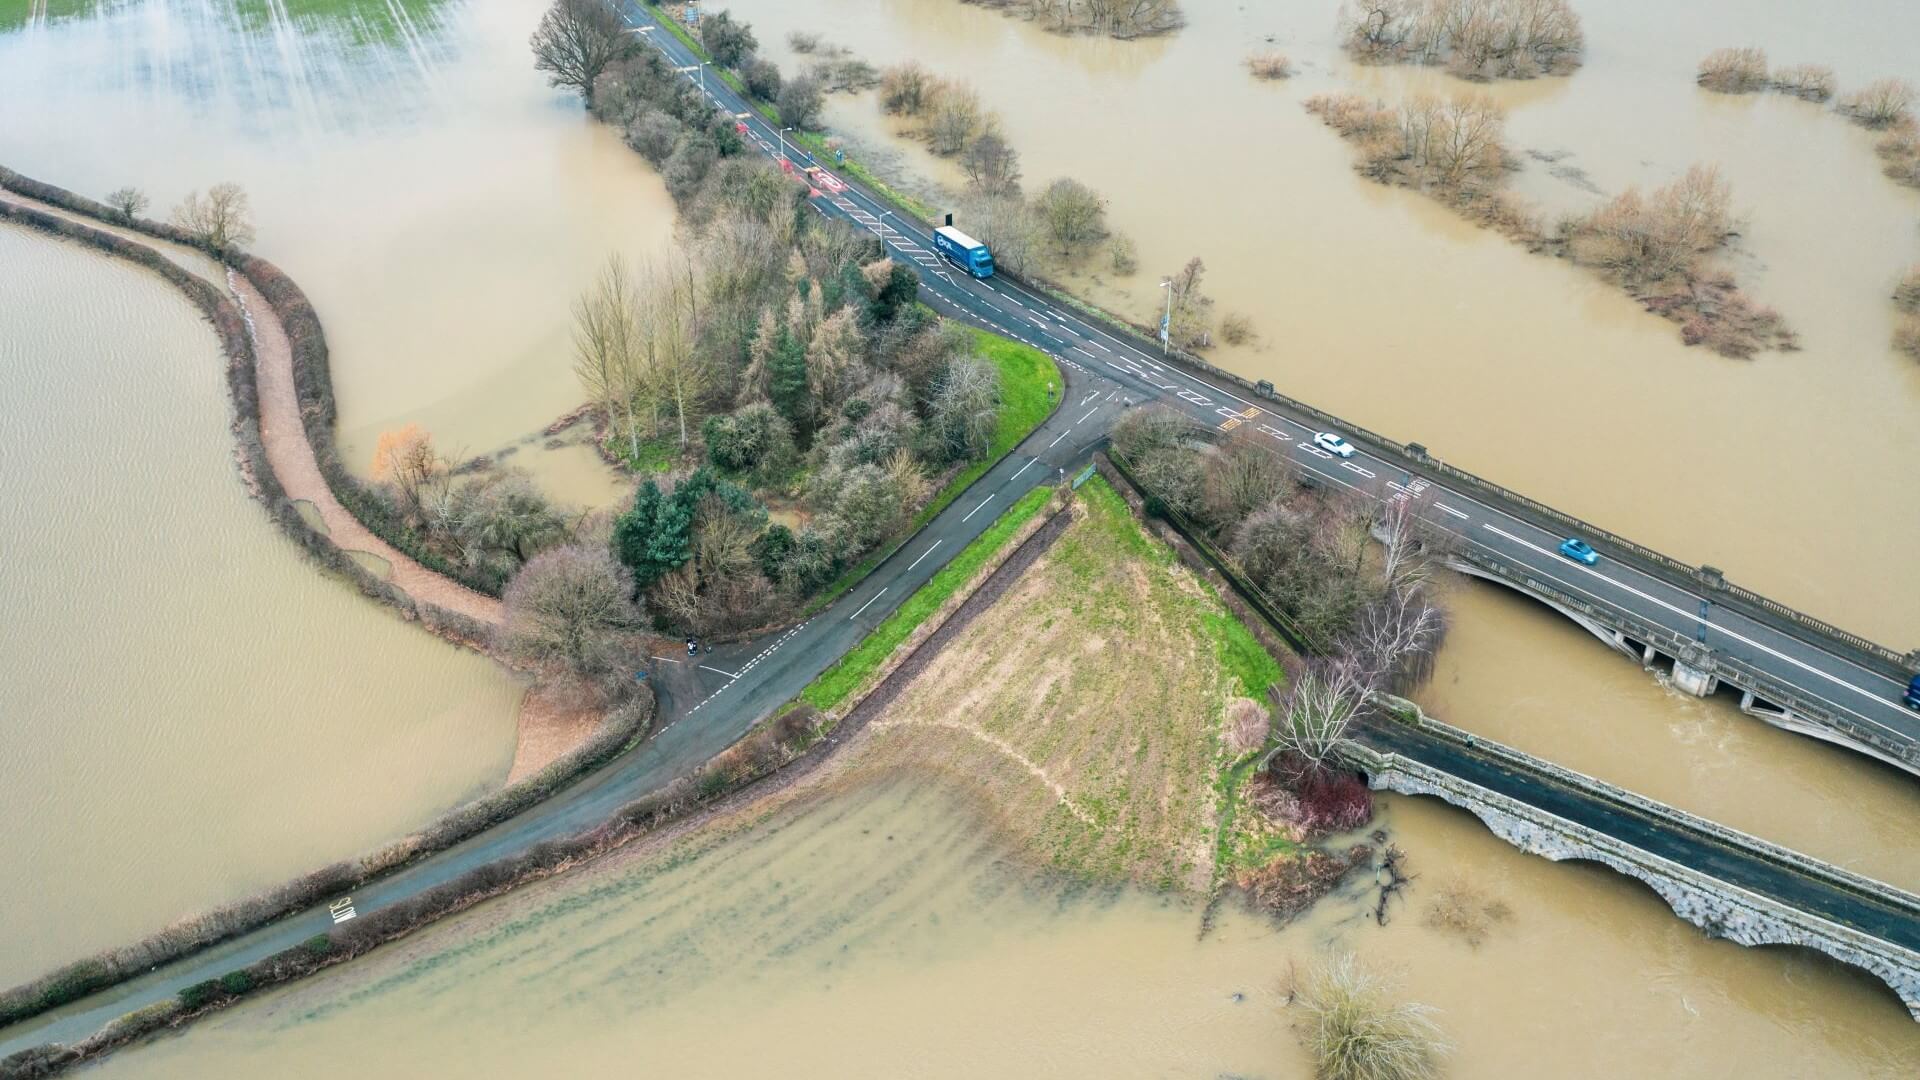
[{"x": 1793, "y": 669}]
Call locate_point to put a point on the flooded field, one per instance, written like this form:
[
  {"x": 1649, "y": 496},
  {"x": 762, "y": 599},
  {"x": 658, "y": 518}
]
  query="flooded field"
[
  {"x": 440, "y": 204},
  {"x": 884, "y": 926},
  {"x": 192, "y": 711}
]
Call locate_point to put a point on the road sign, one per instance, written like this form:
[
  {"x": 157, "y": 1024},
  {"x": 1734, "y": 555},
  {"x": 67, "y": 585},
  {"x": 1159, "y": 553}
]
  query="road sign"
[{"x": 693, "y": 14}]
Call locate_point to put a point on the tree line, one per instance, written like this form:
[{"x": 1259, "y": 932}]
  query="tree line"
[{"x": 800, "y": 406}]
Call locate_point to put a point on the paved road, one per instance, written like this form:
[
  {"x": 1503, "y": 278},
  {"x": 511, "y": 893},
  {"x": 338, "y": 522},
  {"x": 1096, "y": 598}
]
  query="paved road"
[
  {"x": 706, "y": 703},
  {"x": 709, "y": 703},
  {"x": 1877, "y": 916},
  {"x": 1864, "y": 694}
]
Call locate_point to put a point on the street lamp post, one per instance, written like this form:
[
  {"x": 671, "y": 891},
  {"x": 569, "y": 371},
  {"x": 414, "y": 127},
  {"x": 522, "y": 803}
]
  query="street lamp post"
[
  {"x": 1166, "y": 321},
  {"x": 703, "y": 78},
  {"x": 783, "y": 144},
  {"x": 880, "y": 225}
]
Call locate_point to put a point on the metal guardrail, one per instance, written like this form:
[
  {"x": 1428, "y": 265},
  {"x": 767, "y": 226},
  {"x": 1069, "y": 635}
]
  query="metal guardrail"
[{"x": 1416, "y": 459}]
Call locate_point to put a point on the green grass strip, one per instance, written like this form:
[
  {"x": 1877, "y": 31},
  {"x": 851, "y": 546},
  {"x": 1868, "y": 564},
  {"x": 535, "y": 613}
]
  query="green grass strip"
[
  {"x": 854, "y": 671},
  {"x": 1025, "y": 374}
]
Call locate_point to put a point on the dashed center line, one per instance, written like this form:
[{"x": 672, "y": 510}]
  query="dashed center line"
[
  {"x": 988, "y": 499},
  {"x": 936, "y": 544},
  {"x": 869, "y": 603},
  {"x": 728, "y": 674}
]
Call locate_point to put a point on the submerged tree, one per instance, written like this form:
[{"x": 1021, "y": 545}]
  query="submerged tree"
[
  {"x": 577, "y": 40},
  {"x": 128, "y": 202},
  {"x": 220, "y": 222}
]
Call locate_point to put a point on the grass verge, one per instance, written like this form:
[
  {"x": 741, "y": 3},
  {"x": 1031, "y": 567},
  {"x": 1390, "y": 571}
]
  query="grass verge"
[
  {"x": 853, "y": 671},
  {"x": 1025, "y": 374}
]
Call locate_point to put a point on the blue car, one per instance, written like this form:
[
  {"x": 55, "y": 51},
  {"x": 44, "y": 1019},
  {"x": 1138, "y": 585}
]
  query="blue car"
[{"x": 1579, "y": 551}]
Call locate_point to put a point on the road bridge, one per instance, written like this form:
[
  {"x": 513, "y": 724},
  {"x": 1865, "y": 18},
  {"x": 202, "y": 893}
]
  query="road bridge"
[
  {"x": 1729, "y": 884},
  {"x": 1789, "y": 668}
]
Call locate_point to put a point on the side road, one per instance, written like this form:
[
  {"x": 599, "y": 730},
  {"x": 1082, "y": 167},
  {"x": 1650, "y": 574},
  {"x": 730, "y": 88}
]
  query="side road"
[{"x": 706, "y": 704}]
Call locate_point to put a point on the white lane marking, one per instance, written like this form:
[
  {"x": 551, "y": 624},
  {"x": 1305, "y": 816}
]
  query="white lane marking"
[
  {"x": 1090, "y": 412},
  {"x": 935, "y": 544},
  {"x": 1315, "y": 451},
  {"x": 1056, "y": 441},
  {"x": 1089, "y": 397},
  {"x": 728, "y": 674},
  {"x": 1450, "y": 510},
  {"x": 1023, "y": 468},
  {"x": 1037, "y": 322},
  {"x": 668, "y": 659},
  {"x": 869, "y": 603},
  {"x": 1695, "y": 615},
  {"x": 1356, "y": 468},
  {"x": 988, "y": 499},
  {"x": 1097, "y": 345}
]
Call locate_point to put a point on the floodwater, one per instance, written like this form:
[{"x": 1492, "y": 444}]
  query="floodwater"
[
  {"x": 442, "y": 206},
  {"x": 884, "y": 929},
  {"x": 437, "y": 200},
  {"x": 192, "y": 711},
  {"x": 1788, "y": 471}
]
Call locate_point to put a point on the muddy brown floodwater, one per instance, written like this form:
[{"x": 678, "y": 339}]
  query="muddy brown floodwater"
[
  {"x": 884, "y": 928},
  {"x": 192, "y": 712},
  {"x": 1789, "y": 471}
]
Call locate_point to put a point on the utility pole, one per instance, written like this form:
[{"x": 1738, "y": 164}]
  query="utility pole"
[{"x": 783, "y": 144}]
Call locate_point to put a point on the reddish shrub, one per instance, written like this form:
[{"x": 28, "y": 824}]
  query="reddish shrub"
[{"x": 1333, "y": 802}]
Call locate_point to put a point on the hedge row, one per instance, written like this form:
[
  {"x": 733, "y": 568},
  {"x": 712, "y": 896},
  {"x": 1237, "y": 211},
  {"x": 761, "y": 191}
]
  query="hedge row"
[
  {"x": 112, "y": 966},
  {"x": 760, "y": 754}
]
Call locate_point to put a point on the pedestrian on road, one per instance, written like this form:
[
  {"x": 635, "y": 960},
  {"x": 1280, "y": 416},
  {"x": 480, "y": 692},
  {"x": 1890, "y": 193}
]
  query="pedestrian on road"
[{"x": 693, "y": 647}]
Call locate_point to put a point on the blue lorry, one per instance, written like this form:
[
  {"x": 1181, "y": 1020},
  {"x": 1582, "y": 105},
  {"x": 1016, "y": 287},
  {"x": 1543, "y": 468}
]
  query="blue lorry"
[
  {"x": 963, "y": 251},
  {"x": 1913, "y": 694}
]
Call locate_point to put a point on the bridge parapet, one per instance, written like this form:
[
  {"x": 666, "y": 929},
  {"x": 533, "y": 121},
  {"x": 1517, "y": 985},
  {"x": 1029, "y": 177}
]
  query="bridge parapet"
[
  {"x": 1716, "y": 906},
  {"x": 1418, "y": 459},
  {"x": 1809, "y": 714}
]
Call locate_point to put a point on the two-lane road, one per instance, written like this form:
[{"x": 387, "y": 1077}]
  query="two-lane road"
[{"x": 1784, "y": 653}]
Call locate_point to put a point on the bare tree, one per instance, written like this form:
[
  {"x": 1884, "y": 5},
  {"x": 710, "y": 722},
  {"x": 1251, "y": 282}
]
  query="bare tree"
[
  {"x": 992, "y": 166},
  {"x": 1398, "y": 640},
  {"x": 128, "y": 202},
  {"x": 567, "y": 610},
  {"x": 1318, "y": 709},
  {"x": 905, "y": 88},
  {"x": 966, "y": 408},
  {"x": 577, "y": 40},
  {"x": 800, "y": 102},
  {"x": 673, "y": 367},
  {"x": 954, "y": 120},
  {"x": 1073, "y": 213},
  {"x": 220, "y": 222},
  {"x": 606, "y": 336},
  {"x": 1008, "y": 225},
  {"x": 406, "y": 459}
]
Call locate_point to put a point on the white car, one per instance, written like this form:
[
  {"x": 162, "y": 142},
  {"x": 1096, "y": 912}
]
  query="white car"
[{"x": 1333, "y": 444}]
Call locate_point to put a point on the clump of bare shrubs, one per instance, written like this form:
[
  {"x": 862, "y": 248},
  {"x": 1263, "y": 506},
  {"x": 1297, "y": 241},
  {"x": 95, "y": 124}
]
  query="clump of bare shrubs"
[
  {"x": 1899, "y": 152},
  {"x": 1123, "y": 19},
  {"x": 1461, "y": 908},
  {"x": 1744, "y": 71},
  {"x": 1475, "y": 39},
  {"x": 1808, "y": 82},
  {"x": 1247, "y": 726},
  {"x": 1236, "y": 328},
  {"x": 1270, "y": 66},
  {"x": 1355, "y": 1031},
  {"x": 1655, "y": 246},
  {"x": 1734, "y": 71},
  {"x": 1881, "y": 104},
  {"x": 1906, "y": 297},
  {"x": 947, "y": 113}
]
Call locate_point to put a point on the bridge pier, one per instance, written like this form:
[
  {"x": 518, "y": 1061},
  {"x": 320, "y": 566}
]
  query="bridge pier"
[{"x": 1693, "y": 672}]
